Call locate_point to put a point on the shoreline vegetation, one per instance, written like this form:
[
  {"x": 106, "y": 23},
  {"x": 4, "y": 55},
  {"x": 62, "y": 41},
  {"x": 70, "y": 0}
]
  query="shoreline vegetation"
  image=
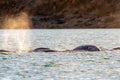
[{"x": 62, "y": 14}]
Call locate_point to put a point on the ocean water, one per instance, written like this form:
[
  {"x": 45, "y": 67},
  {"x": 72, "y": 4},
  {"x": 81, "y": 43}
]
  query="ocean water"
[{"x": 104, "y": 65}]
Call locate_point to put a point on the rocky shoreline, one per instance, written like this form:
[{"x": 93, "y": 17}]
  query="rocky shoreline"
[
  {"x": 65, "y": 14},
  {"x": 75, "y": 22},
  {"x": 62, "y": 23}
]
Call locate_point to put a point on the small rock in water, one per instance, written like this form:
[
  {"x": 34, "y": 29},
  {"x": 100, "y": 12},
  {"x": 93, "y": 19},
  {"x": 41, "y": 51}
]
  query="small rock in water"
[{"x": 86, "y": 48}]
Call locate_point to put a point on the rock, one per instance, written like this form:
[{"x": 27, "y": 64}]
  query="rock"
[
  {"x": 43, "y": 50},
  {"x": 87, "y": 48},
  {"x": 60, "y": 21}
]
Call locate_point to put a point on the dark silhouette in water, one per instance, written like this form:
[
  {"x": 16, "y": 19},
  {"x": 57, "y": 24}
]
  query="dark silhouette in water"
[
  {"x": 90, "y": 48},
  {"x": 4, "y": 51},
  {"x": 117, "y": 48},
  {"x": 87, "y": 48},
  {"x": 80, "y": 48},
  {"x": 43, "y": 50}
]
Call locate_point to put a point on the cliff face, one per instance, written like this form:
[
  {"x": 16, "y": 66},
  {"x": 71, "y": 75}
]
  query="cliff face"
[
  {"x": 77, "y": 7},
  {"x": 66, "y": 13}
]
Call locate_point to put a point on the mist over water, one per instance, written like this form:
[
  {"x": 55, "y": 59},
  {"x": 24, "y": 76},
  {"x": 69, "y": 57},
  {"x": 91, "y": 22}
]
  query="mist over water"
[
  {"x": 20, "y": 39},
  {"x": 16, "y": 40},
  {"x": 19, "y": 21}
]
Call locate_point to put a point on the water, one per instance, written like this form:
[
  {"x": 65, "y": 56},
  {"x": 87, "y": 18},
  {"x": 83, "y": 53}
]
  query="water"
[
  {"x": 64, "y": 39},
  {"x": 63, "y": 66}
]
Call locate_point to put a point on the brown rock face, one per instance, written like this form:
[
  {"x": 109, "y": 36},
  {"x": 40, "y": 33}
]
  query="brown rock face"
[{"x": 71, "y": 13}]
